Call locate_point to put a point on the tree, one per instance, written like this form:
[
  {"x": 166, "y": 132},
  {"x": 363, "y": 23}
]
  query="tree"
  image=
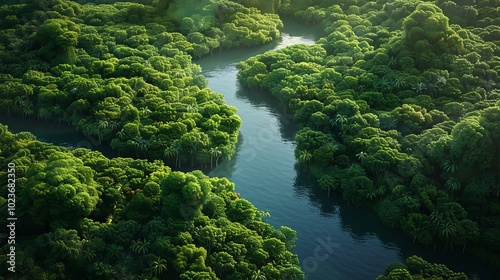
[
  {"x": 453, "y": 184},
  {"x": 158, "y": 266},
  {"x": 194, "y": 141},
  {"x": 121, "y": 134},
  {"x": 468, "y": 231},
  {"x": 61, "y": 188},
  {"x": 101, "y": 126},
  {"x": 223, "y": 263},
  {"x": 450, "y": 166},
  {"x": 471, "y": 144},
  {"x": 258, "y": 275},
  {"x": 340, "y": 121},
  {"x": 210, "y": 237},
  {"x": 214, "y": 153},
  {"x": 418, "y": 225},
  {"x": 361, "y": 155},
  {"x": 141, "y": 144},
  {"x": 304, "y": 158},
  {"x": 114, "y": 250},
  {"x": 327, "y": 182},
  {"x": 63, "y": 37},
  {"x": 174, "y": 149},
  {"x": 264, "y": 214},
  {"x": 140, "y": 246},
  {"x": 448, "y": 231},
  {"x": 61, "y": 245},
  {"x": 427, "y": 26}
]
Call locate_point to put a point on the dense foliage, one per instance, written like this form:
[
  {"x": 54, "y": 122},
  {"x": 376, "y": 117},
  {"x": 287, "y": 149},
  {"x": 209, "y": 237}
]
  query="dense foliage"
[
  {"x": 399, "y": 108},
  {"x": 416, "y": 268},
  {"x": 121, "y": 72},
  {"x": 84, "y": 216}
]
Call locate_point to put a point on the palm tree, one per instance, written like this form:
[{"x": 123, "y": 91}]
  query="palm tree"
[
  {"x": 28, "y": 109},
  {"x": 24, "y": 105},
  {"x": 141, "y": 144},
  {"x": 34, "y": 65},
  {"x": 58, "y": 112},
  {"x": 361, "y": 155},
  {"x": 420, "y": 88},
  {"x": 495, "y": 189},
  {"x": 453, "y": 184},
  {"x": 215, "y": 153},
  {"x": 392, "y": 62},
  {"x": 140, "y": 246},
  {"x": 436, "y": 218},
  {"x": 113, "y": 125},
  {"x": 371, "y": 193},
  {"x": 158, "y": 266},
  {"x": 339, "y": 121},
  {"x": 447, "y": 230},
  {"x": 333, "y": 147},
  {"x": 258, "y": 275},
  {"x": 177, "y": 147},
  {"x": 193, "y": 148},
  {"x": 101, "y": 126},
  {"x": 120, "y": 134},
  {"x": 88, "y": 254},
  {"x": 264, "y": 214},
  {"x": 383, "y": 85},
  {"x": 432, "y": 89},
  {"x": 381, "y": 190},
  {"x": 399, "y": 83},
  {"x": 450, "y": 166},
  {"x": 441, "y": 81},
  {"x": 168, "y": 152},
  {"x": 212, "y": 152},
  {"x": 43, "y": 113},
  {"x": 120, "y": 271},
  {"x": 44, "y": 66},
  {"x": 304, "y": 158},
  {"x": 114, "y": 250}
]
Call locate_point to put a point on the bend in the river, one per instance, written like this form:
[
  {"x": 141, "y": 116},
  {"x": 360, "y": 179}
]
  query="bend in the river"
[{"x": 335, "y": 241}]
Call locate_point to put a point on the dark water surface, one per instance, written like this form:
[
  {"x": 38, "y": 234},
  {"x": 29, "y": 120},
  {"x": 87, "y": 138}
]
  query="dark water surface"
[
  {"x": 57, "y": 133},
  {"x": 336, "y": 241}
]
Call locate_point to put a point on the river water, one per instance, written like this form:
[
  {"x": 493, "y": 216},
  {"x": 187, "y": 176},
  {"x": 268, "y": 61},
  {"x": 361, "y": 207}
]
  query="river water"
[{"x": 335, "y": 241}]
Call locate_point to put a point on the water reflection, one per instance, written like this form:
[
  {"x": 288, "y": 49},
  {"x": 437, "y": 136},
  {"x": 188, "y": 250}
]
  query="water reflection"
[
  {"x": 60, "y": 134},
  {"x": 262, "y": 99},
  {"x": 376, "y": 240},
  {"x": 303, "y": 186}
]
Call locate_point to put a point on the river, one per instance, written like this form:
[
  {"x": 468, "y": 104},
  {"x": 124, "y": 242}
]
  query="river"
[{"x": 335, "y": 241}]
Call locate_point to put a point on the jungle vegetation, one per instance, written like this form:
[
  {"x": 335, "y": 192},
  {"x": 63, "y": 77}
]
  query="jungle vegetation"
[
  {"x": 416, "y": 268},
  {"x": 398, "y": 107},
  {"x": 84, "y": 216},
  {"x": 122, "y": 73},
  {"x": 397, "y": 104}
]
